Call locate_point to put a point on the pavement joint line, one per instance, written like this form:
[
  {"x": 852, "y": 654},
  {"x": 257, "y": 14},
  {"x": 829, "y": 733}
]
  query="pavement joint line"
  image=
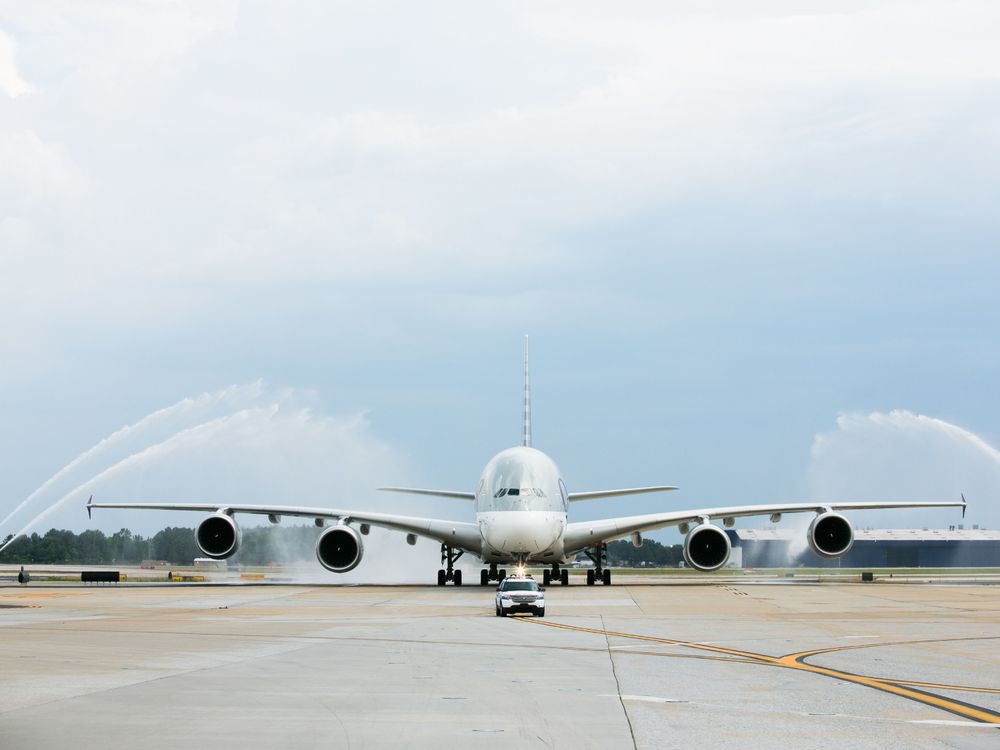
[{"x": 796, "y": 661}]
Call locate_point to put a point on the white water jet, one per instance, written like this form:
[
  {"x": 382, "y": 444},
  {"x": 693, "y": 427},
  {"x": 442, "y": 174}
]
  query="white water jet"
[
  {"x": 276, "y": 451},
  {"x": 151, "y": 453},
  {"x": 152, "y": 428},
  {"x": 901, "y": 455}
]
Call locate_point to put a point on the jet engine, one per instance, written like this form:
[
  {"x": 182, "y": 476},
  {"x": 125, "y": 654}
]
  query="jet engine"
[
  {"x": 706, "y": 547},
  {"x": 830, "y": 535},
  {"x": 339, "y": 549},
  {"x": 218, "y": 536}
]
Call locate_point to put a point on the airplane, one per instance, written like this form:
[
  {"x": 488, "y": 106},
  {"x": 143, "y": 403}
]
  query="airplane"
[{"x": 522, "y": 518}]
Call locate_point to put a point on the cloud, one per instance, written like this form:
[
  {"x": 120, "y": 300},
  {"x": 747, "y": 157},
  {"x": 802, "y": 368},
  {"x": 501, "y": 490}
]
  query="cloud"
[
  {"x": 11, "y": 82},
  {"x": 900, "y": 455},
  {"x": 247, "y": 146}
]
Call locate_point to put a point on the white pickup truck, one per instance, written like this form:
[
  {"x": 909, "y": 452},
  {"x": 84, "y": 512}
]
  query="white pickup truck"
[{"x": 517, "y": 594}]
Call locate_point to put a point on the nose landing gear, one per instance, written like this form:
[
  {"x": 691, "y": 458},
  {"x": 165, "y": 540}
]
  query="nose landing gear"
[
  {"x": 485, "y": 576},
  {"x": 556, "y": 574}
]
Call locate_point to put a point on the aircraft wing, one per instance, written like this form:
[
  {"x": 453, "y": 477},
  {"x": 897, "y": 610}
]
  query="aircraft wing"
[
  {"x": 453, "y": 494},
  {"x": 584, "y": 534},
  {"x": 574, "y": 496},
  {"x": 455, "y": 533}
]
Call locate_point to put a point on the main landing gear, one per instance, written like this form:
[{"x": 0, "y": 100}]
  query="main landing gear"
[
  {"x": 485, "y": 576},
  {"x": 598, "y": 573},
  {"x": 556, "y": 574},
  {"x": 449, "y": 556}
]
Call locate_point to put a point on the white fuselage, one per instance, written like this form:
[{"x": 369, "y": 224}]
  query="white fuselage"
[{"x": 521, "y": 506}]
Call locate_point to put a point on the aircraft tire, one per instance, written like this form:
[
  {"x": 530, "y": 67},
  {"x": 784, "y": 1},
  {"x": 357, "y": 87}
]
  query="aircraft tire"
[
  {"x": 458, "y": 578},
  {"x": 590, "y": 577},
  {"x": 442, "y": 578},
  {"x": 564, "y": 577},
  {"x": 484, "y": 578},
  {"x": 546, "y": 577},
  {"x": 607, "y": 577}
]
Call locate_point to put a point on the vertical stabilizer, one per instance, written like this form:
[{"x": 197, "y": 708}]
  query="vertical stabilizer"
[{"x": 526, "y": 408}]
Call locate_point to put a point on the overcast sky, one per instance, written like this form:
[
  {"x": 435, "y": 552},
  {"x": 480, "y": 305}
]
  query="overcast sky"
[{"x": 758, "y": 252}]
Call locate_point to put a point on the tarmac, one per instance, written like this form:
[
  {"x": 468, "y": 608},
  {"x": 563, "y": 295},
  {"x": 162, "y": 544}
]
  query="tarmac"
[{"x": 637, "y": 664}]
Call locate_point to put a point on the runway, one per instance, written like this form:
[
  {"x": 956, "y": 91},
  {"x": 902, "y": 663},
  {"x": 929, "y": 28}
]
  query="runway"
[{"x": 632, "y": 665}]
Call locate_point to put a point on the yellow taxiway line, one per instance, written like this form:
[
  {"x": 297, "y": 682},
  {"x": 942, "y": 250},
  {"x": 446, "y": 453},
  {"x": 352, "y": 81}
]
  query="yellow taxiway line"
[{"x": 796, "y": 661}]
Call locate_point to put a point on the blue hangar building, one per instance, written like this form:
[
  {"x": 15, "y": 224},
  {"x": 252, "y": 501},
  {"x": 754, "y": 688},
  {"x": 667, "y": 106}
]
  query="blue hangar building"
[{"x": 873, "y": 548}]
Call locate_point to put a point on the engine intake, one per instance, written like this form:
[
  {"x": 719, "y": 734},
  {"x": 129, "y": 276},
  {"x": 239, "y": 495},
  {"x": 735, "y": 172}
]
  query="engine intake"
[
  {"x": 218, "y": 536},
  {"x": 339, "y": 549},
  {"x": 706, "y": 547},
  {"x": 831, "y": 535}
]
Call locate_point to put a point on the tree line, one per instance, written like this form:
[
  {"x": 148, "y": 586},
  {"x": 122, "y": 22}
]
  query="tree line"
[
  {"x": 651, "y": 554},
  {"x": 261, "y": 545}
]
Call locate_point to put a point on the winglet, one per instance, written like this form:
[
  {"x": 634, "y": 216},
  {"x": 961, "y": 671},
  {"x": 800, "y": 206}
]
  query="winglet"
[
  {"x": 965, "y": 504},
  {"x": 90, "y": 507}
]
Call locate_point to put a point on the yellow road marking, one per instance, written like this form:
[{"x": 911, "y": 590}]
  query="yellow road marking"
[
  {"x": 940, "y": 686},
  {"x": 796, "y": 662}
]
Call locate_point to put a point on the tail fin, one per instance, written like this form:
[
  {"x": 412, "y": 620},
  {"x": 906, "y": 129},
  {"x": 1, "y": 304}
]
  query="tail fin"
[{"x": 526, "y": 408}]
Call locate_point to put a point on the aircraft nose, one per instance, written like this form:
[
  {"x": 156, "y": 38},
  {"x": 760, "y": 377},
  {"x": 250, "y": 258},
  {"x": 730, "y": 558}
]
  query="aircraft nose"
[{"x": 527, "y": 533}]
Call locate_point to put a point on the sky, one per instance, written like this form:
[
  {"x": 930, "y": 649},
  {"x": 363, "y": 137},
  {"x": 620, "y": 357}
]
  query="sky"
[{"x": 288, "y": 252}]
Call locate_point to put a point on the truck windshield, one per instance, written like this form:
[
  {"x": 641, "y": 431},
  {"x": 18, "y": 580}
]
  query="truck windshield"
[{"x": 520, "y": 586}]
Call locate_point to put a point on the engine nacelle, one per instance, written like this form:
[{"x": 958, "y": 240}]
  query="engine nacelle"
[
  {"x": 218, "y": 536},
  {"x": 339, "y": 549},
  {"x": 706, "y": 547},
  {"x": 830, "y": 535}
]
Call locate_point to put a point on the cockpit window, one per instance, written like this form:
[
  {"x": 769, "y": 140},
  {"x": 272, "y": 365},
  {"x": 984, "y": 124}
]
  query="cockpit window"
[{"x": 536, "y": 491}]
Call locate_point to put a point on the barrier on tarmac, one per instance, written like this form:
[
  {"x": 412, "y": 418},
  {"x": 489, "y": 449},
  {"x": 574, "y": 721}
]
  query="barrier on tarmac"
[
  {"x": 101, "y": 576},
  {"x": 180, "y": 578}
]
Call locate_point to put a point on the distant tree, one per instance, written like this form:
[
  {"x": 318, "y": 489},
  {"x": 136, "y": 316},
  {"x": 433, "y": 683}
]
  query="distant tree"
[
  {"x": 624, "y": 554},
  {"x": 175, "y": 545}
]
